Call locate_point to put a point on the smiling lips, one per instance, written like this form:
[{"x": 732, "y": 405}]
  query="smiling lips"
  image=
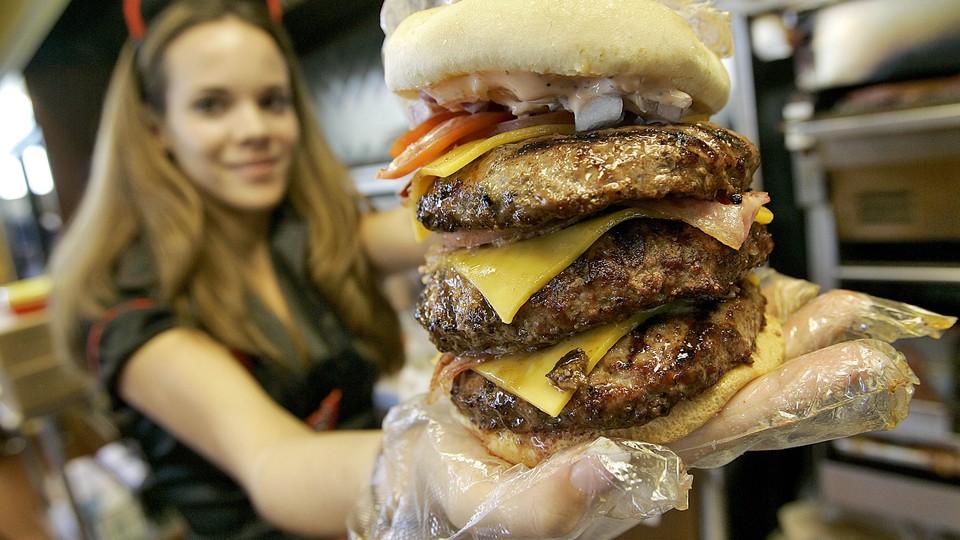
[{"x": 256, "y": 169}]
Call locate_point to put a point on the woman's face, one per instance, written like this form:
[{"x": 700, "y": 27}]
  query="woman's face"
[{"x": 229, "y": 122}]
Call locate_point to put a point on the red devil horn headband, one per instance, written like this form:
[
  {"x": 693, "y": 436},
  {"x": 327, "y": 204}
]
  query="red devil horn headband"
[{"x": 134, "y": 17}]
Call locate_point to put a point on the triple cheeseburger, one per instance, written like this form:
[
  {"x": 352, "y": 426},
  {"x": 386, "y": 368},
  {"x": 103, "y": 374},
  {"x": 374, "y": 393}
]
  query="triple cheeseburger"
[{"x": 599, "y": 232}]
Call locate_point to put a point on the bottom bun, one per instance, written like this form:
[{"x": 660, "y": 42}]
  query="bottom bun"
[{"x": 532, "y": 448}]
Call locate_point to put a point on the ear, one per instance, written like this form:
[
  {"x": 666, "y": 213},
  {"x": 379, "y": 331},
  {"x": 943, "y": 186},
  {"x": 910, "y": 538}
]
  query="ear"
[{"x": 158, "y": 129}]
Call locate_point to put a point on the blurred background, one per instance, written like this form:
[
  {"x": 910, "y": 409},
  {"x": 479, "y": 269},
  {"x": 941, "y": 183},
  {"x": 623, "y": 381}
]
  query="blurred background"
[{"x": 855, "y": 106}]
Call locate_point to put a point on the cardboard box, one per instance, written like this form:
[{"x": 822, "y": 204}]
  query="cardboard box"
[
  {"x": 911, "y": 201},
  {"x": 891, "y": 496}
]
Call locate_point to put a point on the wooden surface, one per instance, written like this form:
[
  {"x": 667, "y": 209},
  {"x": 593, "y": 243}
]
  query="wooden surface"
[{"x": 21, "y": 516}]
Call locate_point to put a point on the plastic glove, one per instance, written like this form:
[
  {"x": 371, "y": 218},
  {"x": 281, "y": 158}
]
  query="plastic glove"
[
  {"x": 841, "y": 315},
  {"x": 842, "y": 390},
  {"x": 434, "y": 480},
  {"x": 784, "y": 294}
]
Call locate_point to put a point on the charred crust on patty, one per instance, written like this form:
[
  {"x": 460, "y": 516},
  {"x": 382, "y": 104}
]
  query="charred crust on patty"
[
  {"x": 570, "y": 372},
  {"x": 637, "y": 265},
  {"x": 671, "y": 357},
  {"x": 559, "y": 178}
]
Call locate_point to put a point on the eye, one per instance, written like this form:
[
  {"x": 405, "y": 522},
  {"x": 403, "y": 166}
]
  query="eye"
[
  {"x": 277, "y": 102},
  {"x": 210, "y": 105}
]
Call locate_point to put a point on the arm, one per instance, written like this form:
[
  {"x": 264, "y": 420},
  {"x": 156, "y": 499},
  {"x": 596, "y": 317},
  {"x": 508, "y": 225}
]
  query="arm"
[
  {"x": 387, "y": 237},
  {"x": 300, "y": 480}
]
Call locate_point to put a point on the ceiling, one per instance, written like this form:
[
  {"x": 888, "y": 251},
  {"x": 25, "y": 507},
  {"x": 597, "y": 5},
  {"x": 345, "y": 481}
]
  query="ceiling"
[
  {"x": 54, "y": 27},
  {"x": 23, "y": 26}
]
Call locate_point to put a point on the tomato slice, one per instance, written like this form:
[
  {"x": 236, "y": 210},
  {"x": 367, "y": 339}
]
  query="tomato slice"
[
  {"x": 422, "y": 128},
  {"x": 438, "y": 139}
]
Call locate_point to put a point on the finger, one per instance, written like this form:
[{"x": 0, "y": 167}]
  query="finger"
[
  {"x": 784, "y": 408},
  {"x": 550, "y": 505}
]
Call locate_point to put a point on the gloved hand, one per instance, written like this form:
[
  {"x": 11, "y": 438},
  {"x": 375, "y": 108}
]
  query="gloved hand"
[{"x": 435, "y": 480}]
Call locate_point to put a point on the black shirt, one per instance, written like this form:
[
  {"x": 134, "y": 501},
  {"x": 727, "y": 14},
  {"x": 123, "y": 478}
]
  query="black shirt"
[{"x": 335, "y": 386}]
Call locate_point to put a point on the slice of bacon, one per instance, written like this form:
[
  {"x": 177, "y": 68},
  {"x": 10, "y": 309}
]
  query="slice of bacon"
[
  {"x": 448, "y": 367},
  {"x": 727, "y": 222}
]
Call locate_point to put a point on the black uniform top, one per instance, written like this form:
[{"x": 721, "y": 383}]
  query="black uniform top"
[{"x": 334, "y": 388}]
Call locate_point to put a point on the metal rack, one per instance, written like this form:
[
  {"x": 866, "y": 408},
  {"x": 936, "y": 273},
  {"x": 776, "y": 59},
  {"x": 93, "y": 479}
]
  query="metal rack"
[
  {"x": 890, "y": 140},
  {"x": 882, "y": 138}
]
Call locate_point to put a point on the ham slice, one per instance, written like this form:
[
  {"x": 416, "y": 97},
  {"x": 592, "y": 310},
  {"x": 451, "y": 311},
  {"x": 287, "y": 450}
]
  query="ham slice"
[
  {"x": 448, "y": 367},
  {"x": 727, "y": 222}
]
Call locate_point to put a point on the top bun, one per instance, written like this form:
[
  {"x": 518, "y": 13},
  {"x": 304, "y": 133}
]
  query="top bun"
[{"x": 627, "y": 40}]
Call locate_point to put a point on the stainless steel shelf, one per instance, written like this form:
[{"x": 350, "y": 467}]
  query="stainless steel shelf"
[
  {"x": 756, "y": 7},
  {"x": 894, "y": 136},
  {"x": 891, "y": 495},
  {"x": 929, "y": 423},
  {"x": 899, "y": 273},
  {"x": 900, "y": 122}
]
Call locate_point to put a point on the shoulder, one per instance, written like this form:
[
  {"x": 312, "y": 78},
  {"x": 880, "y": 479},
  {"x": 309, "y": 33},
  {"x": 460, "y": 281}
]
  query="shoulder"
[{"x": 136, "y": 270}]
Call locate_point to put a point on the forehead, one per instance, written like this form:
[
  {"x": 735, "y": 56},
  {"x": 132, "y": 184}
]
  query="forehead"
[{"x": 224, "y": 53}]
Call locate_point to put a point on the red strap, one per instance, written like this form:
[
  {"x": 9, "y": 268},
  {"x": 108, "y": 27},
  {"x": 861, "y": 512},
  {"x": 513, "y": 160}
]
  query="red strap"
[
  {"x": 137, "y": 28},
  {"x": 96, "y": 335},
  {"x": 134, "y": 18},
  {"x": 276, "y": 10},
  {"x": 96, "y": 332},
  {"x": 326, "y": 416},
  {"x": 244, "y": 360}
]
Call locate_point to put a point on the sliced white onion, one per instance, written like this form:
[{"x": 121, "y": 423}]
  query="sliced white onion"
[
  {"x": 605, "y": 110},
  {"x": 556, "y": 117},
  {"x": 669, "y": 113}
]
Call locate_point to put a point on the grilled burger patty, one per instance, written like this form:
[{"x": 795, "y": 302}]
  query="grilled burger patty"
[
  {"x": 532, "y": 184},
  {"x": 638, "y": 264},
  {"x": 669, "y": 358}
]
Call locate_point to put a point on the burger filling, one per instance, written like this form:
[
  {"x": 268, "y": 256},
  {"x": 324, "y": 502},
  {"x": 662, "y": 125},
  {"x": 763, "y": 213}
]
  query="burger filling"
[
  {"x": 594, "y": 101},
  {"x": 637, "y": 265},
  {"x": 527, "y": 185},
  {"x": 670, "y": 357}
]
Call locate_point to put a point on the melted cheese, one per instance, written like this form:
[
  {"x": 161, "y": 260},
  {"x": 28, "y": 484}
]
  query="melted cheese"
[
  {"x": 459, "y": 157},
  {"x": 507, "y": 276},
  {"x": 764, "y": 216},
  {"x": 525, "y": 374},
  {"x": 418, "y": 186}
]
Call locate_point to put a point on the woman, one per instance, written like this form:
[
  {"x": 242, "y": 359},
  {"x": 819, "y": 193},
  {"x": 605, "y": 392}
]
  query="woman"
[{"x": 221, "y": 280}]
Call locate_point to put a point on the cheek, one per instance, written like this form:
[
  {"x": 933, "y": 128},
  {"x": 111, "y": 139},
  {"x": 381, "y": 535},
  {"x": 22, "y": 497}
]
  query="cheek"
[
  {"x": 192, "y": 145},
  {"x": 291, "y": 132}
]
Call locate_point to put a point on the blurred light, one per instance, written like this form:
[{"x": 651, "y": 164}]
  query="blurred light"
[
  {"x": 13, "y": 183},
  {"x": 16, "y": 109},
  {"x": 35, "y": 162},
  {"x": 770, "y": 37}
]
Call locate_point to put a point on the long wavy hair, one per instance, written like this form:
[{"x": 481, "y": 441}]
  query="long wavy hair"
[{"x": 136, "y": 191}]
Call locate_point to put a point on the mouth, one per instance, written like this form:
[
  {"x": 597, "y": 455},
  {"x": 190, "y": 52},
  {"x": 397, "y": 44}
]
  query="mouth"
[{"x": 256, "y": 168}]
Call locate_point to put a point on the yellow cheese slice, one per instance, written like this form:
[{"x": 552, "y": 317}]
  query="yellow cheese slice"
[
  {"x": 764, "y": 216},
  {"x": 508, "y": 275},
  {"x": 460, "y": 156},
  {"x": 525, "y": 374},
  {"x": 418, "y": 186}
]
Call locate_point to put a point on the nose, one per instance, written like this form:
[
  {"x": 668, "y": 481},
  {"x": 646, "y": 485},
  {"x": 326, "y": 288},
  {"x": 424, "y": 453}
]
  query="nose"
[{"x": 251, "y": 123}]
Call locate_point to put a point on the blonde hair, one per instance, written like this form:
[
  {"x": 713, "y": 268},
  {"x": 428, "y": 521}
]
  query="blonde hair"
[{"x": 136, "y": 191}]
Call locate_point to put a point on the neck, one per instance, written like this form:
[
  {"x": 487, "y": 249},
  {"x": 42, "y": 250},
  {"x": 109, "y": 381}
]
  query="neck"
[
  {"x": 245, "y": 232},
  {"x": 247, "y": 235}
]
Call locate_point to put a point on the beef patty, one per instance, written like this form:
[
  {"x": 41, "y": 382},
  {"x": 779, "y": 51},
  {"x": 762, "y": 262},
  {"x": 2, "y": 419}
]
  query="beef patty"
[
  {"x": 671, "y": 357},
  {"x": 638, "y": 264},
  {"x": 534, "y": 183}
]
